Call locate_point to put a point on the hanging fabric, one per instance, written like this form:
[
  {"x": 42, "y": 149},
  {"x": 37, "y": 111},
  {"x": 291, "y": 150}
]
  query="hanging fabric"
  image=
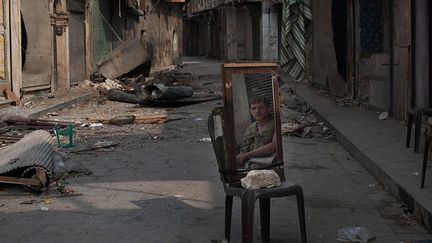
[{"x": 296, "y": 31}]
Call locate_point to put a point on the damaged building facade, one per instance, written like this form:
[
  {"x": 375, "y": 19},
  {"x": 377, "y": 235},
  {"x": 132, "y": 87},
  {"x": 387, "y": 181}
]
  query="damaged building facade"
[
  {"x": 233, "y": 30},
  {"x": 53, "y": 44},
  {"x": 366, "y": 51},
  {"x": 374, "y": 51}
]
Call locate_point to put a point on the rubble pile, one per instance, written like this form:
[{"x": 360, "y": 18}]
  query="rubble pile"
[
  {"x": 167, "y": 86},
  {"x": 174, "y": 78},
  {"x": 300, "y": 120}
]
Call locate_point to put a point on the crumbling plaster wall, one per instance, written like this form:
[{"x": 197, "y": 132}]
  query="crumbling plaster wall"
[
  {"x": 324, "y": 55},
  {"x": 163, "y": 29}
]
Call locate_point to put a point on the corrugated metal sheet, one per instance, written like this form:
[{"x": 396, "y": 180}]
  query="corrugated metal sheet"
[{"x": 33, "y": 150}]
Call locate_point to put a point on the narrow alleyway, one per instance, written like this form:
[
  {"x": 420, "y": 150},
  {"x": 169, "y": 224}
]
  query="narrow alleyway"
[{"x": 161, "y": 184}]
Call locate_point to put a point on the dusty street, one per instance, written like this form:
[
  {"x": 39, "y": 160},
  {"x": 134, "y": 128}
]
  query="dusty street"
[{"x": 161, "y": 184}]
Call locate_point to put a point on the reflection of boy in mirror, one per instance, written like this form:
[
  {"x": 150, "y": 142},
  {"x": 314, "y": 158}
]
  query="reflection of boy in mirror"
[{"x": 259, "y": 138}]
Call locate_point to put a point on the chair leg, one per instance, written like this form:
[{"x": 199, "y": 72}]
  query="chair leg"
[
  {"x": 418, "y": 120},
  {"x": 425, "y": 160},
  {"x": 409, "y": 128},
  {"x": 301, "y": 212},
  {"x": 228, "y": 213},
  {"x": 265, "y": 218},
  {"x": 248, "y": 206}
]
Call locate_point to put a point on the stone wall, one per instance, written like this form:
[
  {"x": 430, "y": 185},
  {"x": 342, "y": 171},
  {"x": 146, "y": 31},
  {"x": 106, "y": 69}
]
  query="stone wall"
[{"x": 163, "y": 28}]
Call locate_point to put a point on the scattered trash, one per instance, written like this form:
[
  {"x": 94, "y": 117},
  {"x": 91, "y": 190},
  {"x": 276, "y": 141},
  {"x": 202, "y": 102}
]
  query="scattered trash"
[
  {"x": 302, "y": 121},
  {"x": 198, "y": 119},
  {"x": 384, "y": 116},
  {"x": 44, "y": 208},
  {"x": 416, "y": 173},
  {"x": 371, "y": 185},
  {"x": 205, "y": 140},
  {"x": 29, "y": 104},
  {"x": 52, "y": 114},
  {"x": 220, "y": 241},
  {"x": 407, "y": 219},
  {"x": 31, "y": 201},
  {"x": 406, "y": 209},
  {"x": 96, "y": 125},
  {"x": 354, "y": 234},
  {"x": 103, "y": 144},
  {"x": 58, "y": 163},
  {"x": 65, "y": 137}
]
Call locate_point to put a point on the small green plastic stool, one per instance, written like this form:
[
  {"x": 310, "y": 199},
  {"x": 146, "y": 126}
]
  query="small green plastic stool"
[{"x": 67, "y": 132}]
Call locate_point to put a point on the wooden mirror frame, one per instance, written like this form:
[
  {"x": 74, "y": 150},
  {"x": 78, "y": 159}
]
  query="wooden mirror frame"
[{"x": 228, "y": 70}]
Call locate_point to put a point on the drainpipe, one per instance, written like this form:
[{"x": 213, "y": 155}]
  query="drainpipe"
[
  {"x": 413, "y": 51},
  {"x": 391, "y": 61}
]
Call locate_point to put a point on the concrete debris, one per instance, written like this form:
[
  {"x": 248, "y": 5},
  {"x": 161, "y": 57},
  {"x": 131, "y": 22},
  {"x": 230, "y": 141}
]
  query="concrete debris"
[
  {"x": 205, "y": 140},
  {"x": 96, "y": 125},
  {"x": 384, "y": 116},
  {"x": 354, "y": 234},
  {"x": 103, "y": 144},
  {"x": 257, "y": 179},
  {"x": 301, "y": 120},
  {"x": 290, "y": 127},
  {"x": 107, "y": 84},
  {"x": 110, "y": 84}
]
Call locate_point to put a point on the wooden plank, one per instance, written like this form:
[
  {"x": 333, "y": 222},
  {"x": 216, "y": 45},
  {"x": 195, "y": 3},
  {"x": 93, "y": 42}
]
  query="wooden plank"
[
  {"x": 88, "y": 46},
  {"x": 20, "y": 181},
  {"x": 150, "y": 119},
  {"x": 8, "y": 43},
  {"x": 15, "y": 44},
  {"x": 2, "y": 43},
  {"x": 139, "y": 119},
  {"x": 124, "y": 59},
  {"x": 62, "y": 48}
]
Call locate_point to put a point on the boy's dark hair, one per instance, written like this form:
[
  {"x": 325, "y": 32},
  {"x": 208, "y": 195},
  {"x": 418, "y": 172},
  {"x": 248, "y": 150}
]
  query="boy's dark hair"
[{"x": 258, "y": 99}]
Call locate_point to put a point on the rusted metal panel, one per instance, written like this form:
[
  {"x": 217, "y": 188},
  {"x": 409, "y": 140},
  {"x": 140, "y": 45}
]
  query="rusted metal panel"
[{"x": 33, "y": 150}]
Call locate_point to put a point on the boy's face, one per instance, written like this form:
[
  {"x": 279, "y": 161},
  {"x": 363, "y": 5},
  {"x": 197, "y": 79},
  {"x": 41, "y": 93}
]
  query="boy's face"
[{"x": 259, "y": 111}]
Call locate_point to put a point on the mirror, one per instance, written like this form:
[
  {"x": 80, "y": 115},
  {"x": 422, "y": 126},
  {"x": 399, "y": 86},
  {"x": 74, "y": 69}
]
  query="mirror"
[{"x": 252, "y": 119}]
